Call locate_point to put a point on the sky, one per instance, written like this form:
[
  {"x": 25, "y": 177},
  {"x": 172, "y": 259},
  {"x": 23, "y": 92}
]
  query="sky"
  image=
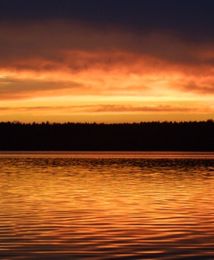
[{"x": 106, "y": 60}]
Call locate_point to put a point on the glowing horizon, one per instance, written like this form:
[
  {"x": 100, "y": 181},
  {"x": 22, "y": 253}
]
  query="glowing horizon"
[{"x": 69, "y": 71}]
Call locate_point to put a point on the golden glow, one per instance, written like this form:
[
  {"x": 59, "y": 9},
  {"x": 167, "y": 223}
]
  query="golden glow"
[
  {"x": 103, "y": 84},
  {"x": 115, "y": 205}
]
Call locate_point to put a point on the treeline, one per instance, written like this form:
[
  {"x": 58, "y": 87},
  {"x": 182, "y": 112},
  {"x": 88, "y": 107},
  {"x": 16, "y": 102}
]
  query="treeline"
[{"x": 157, "y": 136}]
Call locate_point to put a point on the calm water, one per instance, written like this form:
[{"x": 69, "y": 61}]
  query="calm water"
[{"x": 107, "y": 206}]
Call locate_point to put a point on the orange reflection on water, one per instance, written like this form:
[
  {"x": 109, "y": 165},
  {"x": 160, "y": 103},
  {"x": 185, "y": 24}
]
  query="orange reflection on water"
[{"x": 104, "y": 207}]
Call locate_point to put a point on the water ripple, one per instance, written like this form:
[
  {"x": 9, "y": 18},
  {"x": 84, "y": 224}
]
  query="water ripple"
[{"x": 69, "y": 206}]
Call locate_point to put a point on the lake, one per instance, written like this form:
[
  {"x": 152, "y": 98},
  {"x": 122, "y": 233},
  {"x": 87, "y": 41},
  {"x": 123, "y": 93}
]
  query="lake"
[{"x": 104, "y": 205}]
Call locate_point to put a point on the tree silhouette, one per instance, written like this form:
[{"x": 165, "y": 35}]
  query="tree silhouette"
[{"x": 159, "y": 136}]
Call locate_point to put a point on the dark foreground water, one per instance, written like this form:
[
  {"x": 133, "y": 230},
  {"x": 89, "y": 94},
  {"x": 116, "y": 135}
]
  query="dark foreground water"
[{"x": 107, "y": 206}]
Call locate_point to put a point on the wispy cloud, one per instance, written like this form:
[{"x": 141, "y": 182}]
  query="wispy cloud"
[{"x": 112, "y": 108}]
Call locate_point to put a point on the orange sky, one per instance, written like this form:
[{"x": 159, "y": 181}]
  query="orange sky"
[{"x": 60, "y": 71}]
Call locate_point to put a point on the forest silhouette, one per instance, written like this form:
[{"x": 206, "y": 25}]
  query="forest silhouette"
[{"x": 145, "y": 136}]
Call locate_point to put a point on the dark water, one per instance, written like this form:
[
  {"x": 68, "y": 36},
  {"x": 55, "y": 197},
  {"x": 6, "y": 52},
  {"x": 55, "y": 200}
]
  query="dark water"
[{"x": 107, "y": 206}]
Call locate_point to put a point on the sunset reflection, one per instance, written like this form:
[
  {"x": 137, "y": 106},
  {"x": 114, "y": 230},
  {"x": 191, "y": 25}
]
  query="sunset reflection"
[{"x": 112, "y": 206}]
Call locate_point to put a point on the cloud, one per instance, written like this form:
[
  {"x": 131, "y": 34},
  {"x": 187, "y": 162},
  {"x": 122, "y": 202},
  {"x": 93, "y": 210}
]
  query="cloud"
[
  {"x": 201, "y": 85},
  {"x": 113, "y": 73},
  {"x": 111, "y": 108},
  {"x": 191, "y": 20},
  {"x": 11, "y": 88},
  {"x": 95, "y": 49},
  {"x": 45, "y": 45},
  {"x": 147, "y": 109}
]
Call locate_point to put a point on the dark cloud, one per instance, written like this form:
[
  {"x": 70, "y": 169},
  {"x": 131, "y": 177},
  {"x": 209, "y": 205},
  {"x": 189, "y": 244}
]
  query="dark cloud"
[
  {"x": 16, "y": 88},
  {"x": 205, "y": 87},
  {"x": 111, "y": 36},
  {"x": 171, "y": 30},
  {"x": 50, "y": 45},
  {"x": 192, "y": 19}
]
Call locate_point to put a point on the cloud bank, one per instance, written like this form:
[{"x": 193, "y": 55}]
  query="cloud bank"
[{"x": 150, "y": 49}]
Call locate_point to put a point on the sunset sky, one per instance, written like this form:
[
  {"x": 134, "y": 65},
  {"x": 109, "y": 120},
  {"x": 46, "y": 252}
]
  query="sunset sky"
[{"x": 106, "y": 60}]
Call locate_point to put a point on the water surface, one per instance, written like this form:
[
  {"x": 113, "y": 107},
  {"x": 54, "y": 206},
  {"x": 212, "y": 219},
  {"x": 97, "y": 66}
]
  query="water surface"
[{"x": 106, "y": 205}]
